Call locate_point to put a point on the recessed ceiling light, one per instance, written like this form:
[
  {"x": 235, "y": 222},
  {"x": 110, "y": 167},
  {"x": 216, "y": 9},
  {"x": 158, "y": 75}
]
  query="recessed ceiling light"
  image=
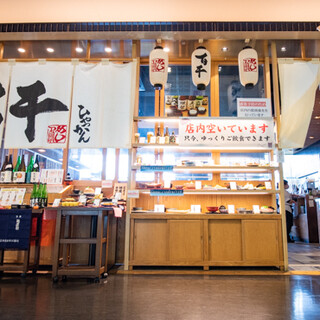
[
  {"x": 78, "y": 49},
  {"x": 107, "y": 49},
  {"x": 166, "y": 49},
  {"x": 224, "y": 49},
  {"x": 42, "y": 150},
  {"x": 21, "y": 50},
  {"x": 169, "y": 69},
  {"x": 50, "y": 50},
  {"x": 317, "y": 117},
  {"x": 283, "y": 49},
  {"x": 311, "y": 137},
  {"x": 219, "y": 69}
]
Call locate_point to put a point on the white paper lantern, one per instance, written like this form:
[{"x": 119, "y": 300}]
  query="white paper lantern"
[
  {"x": 201, "y": 67},
  {"x": 158, "y": 67},
  {"x": 248, "y": 67}
]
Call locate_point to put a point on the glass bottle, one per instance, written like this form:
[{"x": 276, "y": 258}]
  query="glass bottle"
[
  {"x": 3, "y": 169},
  {"x": 21, "y": 173},
  {"x": 167, "y": 136},
  {"x": 39, "y": 195},
  {"x": 158, "y": 135},
  {"x": 29, "y": 168},
  {"x": 44, "y": 196},
  {"x": 35, "y": 171},
  {"x": 173, "y": 137},
  {"x": 8, "y": 170},
  {"x": 33, "y": 196},
  {"x": 16, "y": 169}
]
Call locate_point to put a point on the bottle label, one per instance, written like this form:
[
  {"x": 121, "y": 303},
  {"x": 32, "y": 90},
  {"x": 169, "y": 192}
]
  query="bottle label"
[
  {"x": 7, "y": 176},
  {"x": 34, "y": 178},
  {"x": 19, "y": 177},
  {"x": 2, "y": 176}
]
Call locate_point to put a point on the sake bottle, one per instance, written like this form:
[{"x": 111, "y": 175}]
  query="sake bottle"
[
  {"x": 21, "y": 173},
  {"x": 33, "y": 196},
  {"x": 29, "y": 168},
  {"x": 35, "y": 174},
  {"x": 8, "y": 170},
  {"x": 3, "y": 169}
]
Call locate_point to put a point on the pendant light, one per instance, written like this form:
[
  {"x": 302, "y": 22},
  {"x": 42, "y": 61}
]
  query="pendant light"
[
  {"x": 158, "y": 67},
  {"x": 201, "y": 67},
  {"x": 248, "y": 67}
]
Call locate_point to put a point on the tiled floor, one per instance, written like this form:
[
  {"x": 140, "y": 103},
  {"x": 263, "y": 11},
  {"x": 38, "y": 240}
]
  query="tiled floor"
[{"x": 304, "y": 256}]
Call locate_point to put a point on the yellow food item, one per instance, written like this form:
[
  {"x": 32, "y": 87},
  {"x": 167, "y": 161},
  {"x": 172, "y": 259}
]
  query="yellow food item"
[{"x": 70, "y": 203}]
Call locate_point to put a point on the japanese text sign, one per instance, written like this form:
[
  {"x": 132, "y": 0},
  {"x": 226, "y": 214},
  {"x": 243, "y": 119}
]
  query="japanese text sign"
[
  {"x": 254, "y": 107},
  {"x": 225, "y": 133}
]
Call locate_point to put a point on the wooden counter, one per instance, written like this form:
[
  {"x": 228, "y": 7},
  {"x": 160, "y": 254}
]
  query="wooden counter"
[{"x": 207, "y": 240}]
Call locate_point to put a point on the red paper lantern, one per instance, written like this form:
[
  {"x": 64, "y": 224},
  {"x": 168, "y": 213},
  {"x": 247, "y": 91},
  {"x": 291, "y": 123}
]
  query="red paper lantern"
[
  {"x": 248, "y": 67},
  {"x": 201, "y": 67},
  {"x": 158, "y": 67}
]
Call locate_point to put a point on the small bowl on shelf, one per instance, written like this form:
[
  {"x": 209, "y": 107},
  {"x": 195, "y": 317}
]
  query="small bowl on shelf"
[{"x": 212, "y": 209}]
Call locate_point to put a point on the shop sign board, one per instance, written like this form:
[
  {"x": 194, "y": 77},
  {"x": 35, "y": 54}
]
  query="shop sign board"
[
  {"x": 227, "y": 133},
  {"x": 254, "y": 107},
  {"x": 156, "y": 168},
  {"x": 166, "y": 192}
]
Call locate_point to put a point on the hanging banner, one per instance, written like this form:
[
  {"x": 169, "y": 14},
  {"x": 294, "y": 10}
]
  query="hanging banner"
[
  {"x": 38, "y": 108},
  {"x": 225, "y": 133},
  {"x": 4, "y": 84},
  {"x": 254, "y": 107},
  {"x": 299, "y": 81},
  {"x": 102, "y": 110}
]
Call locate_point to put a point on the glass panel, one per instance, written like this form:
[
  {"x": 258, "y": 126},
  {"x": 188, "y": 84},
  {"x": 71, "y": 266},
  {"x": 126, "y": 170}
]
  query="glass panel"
[
  {"x": 242, "y": 159},
  {"x": 180, "y": 85},
  {"x": 288, "y": 49},
  {"x": 85, "y": 164},
  {"x": 48, "y": 158},
  {"x": 39, "y": 49},
  {"x": 123, "y": 165},
  {"x": 111, "y": 49},
  {"x": 312, "y": 48},
  {"x": 230, "y": 89},
  {"x": 146, "y": 94}
]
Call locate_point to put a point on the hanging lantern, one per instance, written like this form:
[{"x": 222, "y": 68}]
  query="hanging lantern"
[
  {"x": 158, "y": 67},
  {"x": 248, "y": 67},
  {"x": 201, "y": 67}
]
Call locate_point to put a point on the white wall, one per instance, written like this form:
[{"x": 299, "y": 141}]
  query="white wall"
[{"x": 15, "y": 11}]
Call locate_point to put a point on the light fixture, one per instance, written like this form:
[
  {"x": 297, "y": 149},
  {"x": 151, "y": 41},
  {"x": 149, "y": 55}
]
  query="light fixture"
[
  {"x": 50, "y": 50},
  {"x": 78, "y": 49},
  {"x": 317, "y": 117},
  {"x": 107, "y": 49},
  {"x": 224, "y": 49},
  {"x": 22, "y": 50},
  {"x": 318, "y": 28},
  {"x": 311, "y": 137},
  {"x": 219, "y": 69},
  {"x": 166, "y": 49},
  {"x": 283, "y": 49},
  {"x": 42, "y": 150},
  {"x": 169, "y": 69}
]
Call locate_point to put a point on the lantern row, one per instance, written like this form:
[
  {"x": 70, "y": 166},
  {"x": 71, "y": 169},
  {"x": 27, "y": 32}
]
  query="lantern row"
[{"x": 201, "y": 67}]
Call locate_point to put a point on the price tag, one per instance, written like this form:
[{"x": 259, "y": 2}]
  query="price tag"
[
  {"x": 107, "y": 184},
  {"x": 56, "y": 202},
  {"x": 96, "y": 202},
  {"x": 256, "y": 208},
  {"x": 195, "y": 208},
  {"x": 167, "y": 184},
  {"x": 83, "y": 199},
  {"x": 268, "y": 185},
  {"x": 133, "y": 194},
  {"x": 198, "y": 185},
  {"x": 233, "y": 185},
  {"x": 142, "y": 140},
  {"x": 231, "y": 208},
  {"x": 97, "y": 191},
  {"x": 159, "y": 208},
  {"x": 153, "y": 139}
]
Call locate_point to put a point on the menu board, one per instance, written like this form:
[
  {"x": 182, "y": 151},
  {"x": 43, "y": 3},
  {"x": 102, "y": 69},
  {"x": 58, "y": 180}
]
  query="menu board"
[
  {"x": 186, "y": 106},
  {"x": 9, "y": 196}
]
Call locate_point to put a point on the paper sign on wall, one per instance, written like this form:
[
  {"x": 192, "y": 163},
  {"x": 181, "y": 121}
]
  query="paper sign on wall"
[
  {"x": 254, "y": 107},
  {"x": 231, "y": 208},
  {"x": 133, "y": 194}
]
